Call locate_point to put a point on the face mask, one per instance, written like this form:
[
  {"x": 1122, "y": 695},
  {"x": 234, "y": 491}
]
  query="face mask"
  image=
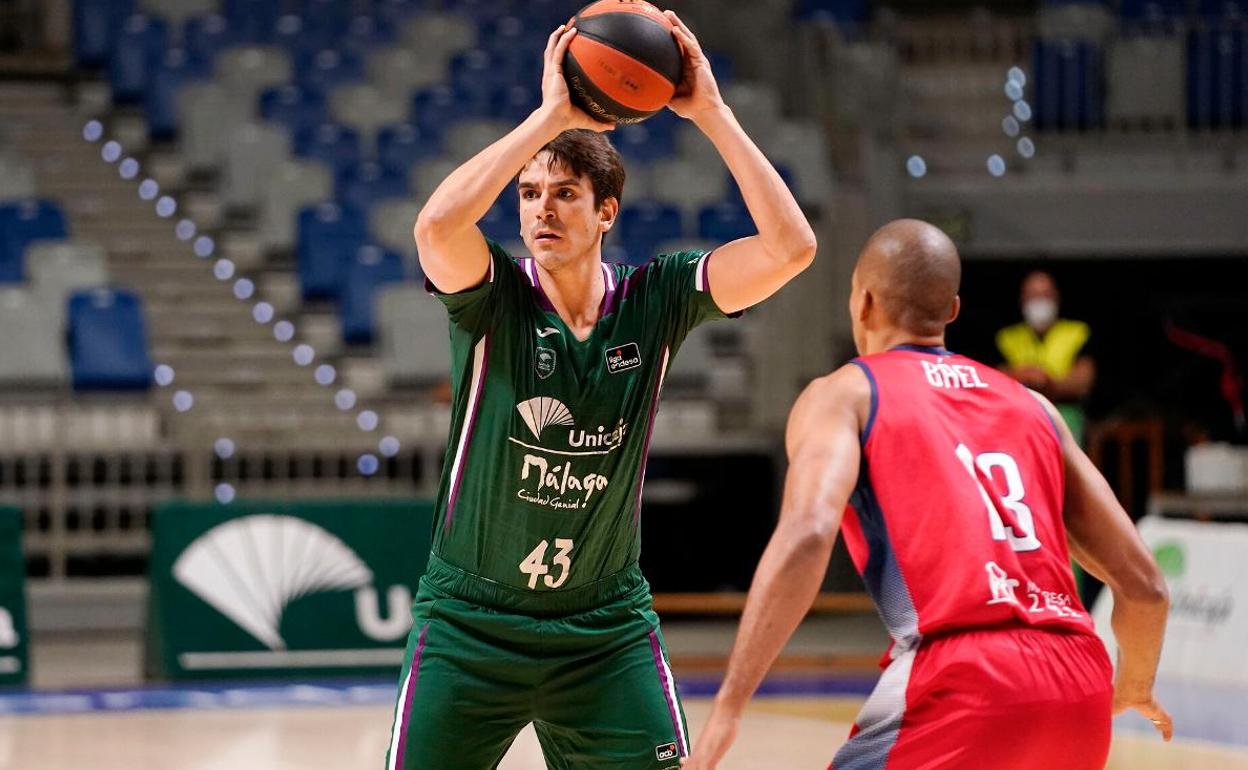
[{"x": 1039, "y": 312}]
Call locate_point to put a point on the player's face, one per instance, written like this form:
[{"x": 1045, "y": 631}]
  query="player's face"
[{"x": 558, "y": 220}]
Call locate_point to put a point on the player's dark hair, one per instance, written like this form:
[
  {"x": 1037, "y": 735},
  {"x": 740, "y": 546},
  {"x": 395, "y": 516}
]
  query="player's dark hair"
[{"x": 590, "y": 154}]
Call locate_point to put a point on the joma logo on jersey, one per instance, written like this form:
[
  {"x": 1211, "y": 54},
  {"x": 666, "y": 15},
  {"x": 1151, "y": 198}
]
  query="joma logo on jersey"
[{"x": 624, "y": 357}]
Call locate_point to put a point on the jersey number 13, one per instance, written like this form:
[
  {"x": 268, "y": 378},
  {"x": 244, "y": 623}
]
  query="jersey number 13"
[{"x": 1021, "y": 533}]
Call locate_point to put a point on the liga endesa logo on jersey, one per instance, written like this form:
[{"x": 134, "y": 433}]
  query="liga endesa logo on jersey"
[{"x": 623, "y": 357}]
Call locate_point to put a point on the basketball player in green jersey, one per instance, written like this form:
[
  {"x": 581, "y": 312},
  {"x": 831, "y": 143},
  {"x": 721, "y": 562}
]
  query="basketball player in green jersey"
[{"x": 533, "y": 608}]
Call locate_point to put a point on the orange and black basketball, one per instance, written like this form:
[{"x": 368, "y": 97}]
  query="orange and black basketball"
[{"x": 624, "y": 63}]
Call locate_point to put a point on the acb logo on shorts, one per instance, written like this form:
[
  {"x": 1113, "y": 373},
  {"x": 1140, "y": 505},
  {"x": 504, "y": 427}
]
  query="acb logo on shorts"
[{"x": 665, "y": 751}]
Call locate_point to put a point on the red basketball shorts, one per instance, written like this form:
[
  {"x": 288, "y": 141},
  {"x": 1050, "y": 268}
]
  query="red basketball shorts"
[{"x": 1005, "y": 699}]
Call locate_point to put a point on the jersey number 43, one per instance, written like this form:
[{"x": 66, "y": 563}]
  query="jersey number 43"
[{"x": 534, "y": 565}]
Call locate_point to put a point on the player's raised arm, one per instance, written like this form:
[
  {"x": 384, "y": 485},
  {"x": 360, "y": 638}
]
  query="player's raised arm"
[
  {"x": 824, "y": 454},
  {"x": 747, "y": 271},
  {"x": 1105, "y": 542},
  {"x": 452, "y": 249}
]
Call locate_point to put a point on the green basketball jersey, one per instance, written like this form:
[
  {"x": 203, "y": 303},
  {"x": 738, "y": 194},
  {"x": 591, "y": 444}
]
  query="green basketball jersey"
[{"x": 541, "y": 488}]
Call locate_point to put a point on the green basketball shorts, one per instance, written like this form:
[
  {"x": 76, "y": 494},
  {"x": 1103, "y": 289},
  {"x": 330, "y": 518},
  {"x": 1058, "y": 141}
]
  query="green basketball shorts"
[{"x": 594, "y": 679}]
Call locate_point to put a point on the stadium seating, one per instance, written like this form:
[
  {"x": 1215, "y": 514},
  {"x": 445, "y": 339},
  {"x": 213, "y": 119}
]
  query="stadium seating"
[
  {"x": 366, "y": 108},
  {"x": 32, "y": 353},
  {"x": 327, "y": 68},
  {"x": 645, "y": 224},
  {"x": 400, "y": 71},
  {"x": 139, "y": 46},
  {"x": 59, "y": 268},
  {"x": 207, "y": 115},
  {"x": 724, "y": 222},
  {"x": 17, "y": 176},
  {"x": 366, "y": 184},
  {"x": 401, "y": 146},
  {"x": 293, "y": 185},
  {"x": 1217, "y": 76},
  {"x": 96, "y": 24},
  {"x": 1068, "y": 85},
  {"x": 390, "y": 224},
  {"x": 327, "y": 236},
  {"x": 337, "y": 147},
  {"x": 254, "y": 153},
  {"x": 411, "y": 335},
  {"x": 207, "y": 36},
  {"x": 176, "y": 69},
  {"x": 107, "y": 341},
  {"x": 21, "y": 223},
  {"x": 294, "y": 108},
  {"x": 371, "y": 268},
  {"x": 246, "y": 71}
]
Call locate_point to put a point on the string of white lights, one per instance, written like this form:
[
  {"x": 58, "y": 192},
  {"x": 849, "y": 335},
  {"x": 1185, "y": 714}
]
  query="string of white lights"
[{"x": 244, "y": 289}]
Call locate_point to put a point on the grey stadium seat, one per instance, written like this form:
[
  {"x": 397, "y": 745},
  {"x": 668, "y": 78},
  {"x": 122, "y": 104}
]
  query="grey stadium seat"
[
  {"x": 245, "y": 71},
  {"x": 400, "y": 71},
  {"x": 17, "y": 176},
  {"x": 415, "y": 348},
  {"x": 208, "y": 114},
  {"x": 253, "y": 154},
  {"x": 470, "y": 137},
  {"x": 1145, "y": 81},
  {"x": 438, "y": 35},
  {"x": 366, "y": 108},
  {"x": 803, "y": 147},
  {"x": 390, "y": 223},
  {"x": 32, "y": 348},
  {"x": 427, "y": 175},
  {"x": 757, "y": 106},
  {"x": 59, "y": 268},
  {"x": 294, "y": 184},
  {"x": 689, "y": 183},
  {"x": 690, "y": 372}
]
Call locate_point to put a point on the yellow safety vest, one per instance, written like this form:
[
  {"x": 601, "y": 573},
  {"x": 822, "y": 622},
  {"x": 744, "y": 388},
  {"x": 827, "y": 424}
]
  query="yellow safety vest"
[{"x": 1055, "y": 353}]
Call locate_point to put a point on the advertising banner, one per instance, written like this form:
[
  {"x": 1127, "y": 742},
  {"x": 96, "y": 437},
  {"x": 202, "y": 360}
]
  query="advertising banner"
[
  {"x": 13, "y": 636},
  {"x": 273, "y": 589},
  {"x": 1207, "y": 575}
]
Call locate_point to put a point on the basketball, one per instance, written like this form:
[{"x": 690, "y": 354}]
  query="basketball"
[{"x": 624, "y": 63}]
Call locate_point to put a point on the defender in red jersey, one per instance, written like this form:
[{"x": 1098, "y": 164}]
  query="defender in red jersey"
[{"x": 962, "y": 496}]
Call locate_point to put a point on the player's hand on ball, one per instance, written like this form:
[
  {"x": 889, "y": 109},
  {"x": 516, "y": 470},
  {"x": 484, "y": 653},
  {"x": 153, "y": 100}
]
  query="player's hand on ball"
[
  {"x": 697, "y": 92},
  {"x": 1149, "y": 707},
  {"x": 717, "y": 737},
  {"x": 555, "y": 96}
]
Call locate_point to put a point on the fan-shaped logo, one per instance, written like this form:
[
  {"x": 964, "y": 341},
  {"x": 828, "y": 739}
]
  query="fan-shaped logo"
[
  {"x": 250, "y": 568},
  {"x": 542, "y": 412}
]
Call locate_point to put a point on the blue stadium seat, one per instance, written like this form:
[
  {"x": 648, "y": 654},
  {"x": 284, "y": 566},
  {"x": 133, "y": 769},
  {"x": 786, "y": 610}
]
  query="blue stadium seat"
[
  {"x": 476, "y": 74},
  {"x": 1224, "y": 10},
  {"x": 437, "y": 107},
  {"x": 292, "y": 32},
  {"x": 160, "y": 102},
  {"x": 137, "y": 50},
  {"x": 327, "y": 236},
  {"x": 338, "y": 147},
  {"x": 1217, "y": 77},
  {"x": 841, "y": 12},
  {"x": 298, "y": 109},
  {"x": 645, "y": 142},
  {"x": 96, "y": 26},
  {"x": 253, "y": 20},
  {"x": 365, "y": 33},
  {"x": 644, "y": 225},
  {"x": 402, "y": 146},
  {"x": 206, "y": 36},
  {"x": 502, "y": 222},
  {"x": 393, "y": 13},
  {"x": 733, "y": 190},
  {"x": 724, "y": 222},
  {"x": 22, "y": 222},
  {"x": 107, "y": 341},
  {"x": 514, "y": 103},
  {"x": 364, "y": 185},
  {"x": 1068, "y": 81},
  {"x": 371, "y": 268},
  {"x": 325, "y": 68}
]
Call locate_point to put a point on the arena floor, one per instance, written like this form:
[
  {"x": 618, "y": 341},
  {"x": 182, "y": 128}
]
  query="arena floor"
[{"x": 779, "y": 732}]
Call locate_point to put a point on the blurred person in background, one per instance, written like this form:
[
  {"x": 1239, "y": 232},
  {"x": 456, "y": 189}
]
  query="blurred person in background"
[{"x": 1050, "y": 354}]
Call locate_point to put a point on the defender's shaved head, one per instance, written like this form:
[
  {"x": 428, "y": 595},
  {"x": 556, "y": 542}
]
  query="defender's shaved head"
[{"x": 913, "y": 271}]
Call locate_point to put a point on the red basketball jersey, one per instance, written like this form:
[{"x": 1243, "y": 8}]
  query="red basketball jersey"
[{"x": 956, "y": 521}]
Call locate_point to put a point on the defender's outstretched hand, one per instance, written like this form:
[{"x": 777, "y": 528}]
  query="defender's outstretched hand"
[
  {"x": 555, "y": 96},
  {"x": 698, "y": 91}
]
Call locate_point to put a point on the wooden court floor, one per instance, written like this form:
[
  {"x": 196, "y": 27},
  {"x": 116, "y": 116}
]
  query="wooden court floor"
[{"x": 778, "y": 733}]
